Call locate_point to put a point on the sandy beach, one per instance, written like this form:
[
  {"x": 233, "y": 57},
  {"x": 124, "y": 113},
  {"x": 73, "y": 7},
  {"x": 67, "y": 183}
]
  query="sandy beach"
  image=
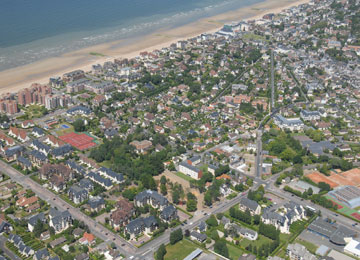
[{"x": 17, "y": 78}]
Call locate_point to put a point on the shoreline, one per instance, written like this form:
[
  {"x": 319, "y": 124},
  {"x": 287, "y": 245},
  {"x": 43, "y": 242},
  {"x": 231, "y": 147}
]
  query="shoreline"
[{"x": 15, "y": 79}]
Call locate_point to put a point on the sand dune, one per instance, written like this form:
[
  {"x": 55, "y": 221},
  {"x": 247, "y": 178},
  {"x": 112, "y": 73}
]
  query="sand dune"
[{"x": 20, "y": 77}]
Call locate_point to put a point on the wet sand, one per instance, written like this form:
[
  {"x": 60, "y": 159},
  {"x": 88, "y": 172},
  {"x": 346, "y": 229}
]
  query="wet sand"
[{"x": 21, "y": 77}]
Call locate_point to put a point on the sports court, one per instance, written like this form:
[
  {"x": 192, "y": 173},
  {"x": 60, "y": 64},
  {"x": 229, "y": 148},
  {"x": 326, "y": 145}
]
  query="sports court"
[{"x": 79, "y": 141}]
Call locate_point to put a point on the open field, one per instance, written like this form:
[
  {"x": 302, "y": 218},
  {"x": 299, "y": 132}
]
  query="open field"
[{"x": 180, "y": 250}]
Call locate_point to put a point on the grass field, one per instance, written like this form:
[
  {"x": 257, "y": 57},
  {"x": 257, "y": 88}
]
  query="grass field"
[
  {"x": 234, "y": 252},
  {"x": 260, "y": 241},
  {"x": 180, "y": 250},
  {"x": 309, "y": 246},
  {"x": 185, "y": 177},
  {"x": 35, "y": 111},
  {"x": 61, "y": 131}
]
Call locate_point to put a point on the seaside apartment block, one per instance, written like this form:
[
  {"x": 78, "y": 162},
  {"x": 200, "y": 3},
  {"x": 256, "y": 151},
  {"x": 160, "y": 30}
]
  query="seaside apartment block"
[
  {"x": 33, "y": 95},
  {"x": 8, "y": 106}
]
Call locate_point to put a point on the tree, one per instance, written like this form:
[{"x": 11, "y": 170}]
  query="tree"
[
  {"x": 324, "y": 186},
  {"x": 310, "y": 192},
  {"x": 79, "y": 125},
  {"x": 176, "y": 236},
  {"x": 221, "y": 248},
  {"x": 256, "y": 219},
  {"x": 176, "y": 196},
  {"x": 191, "y": 205},
  {"x": 208, "y": 199},
  {"x": 163, "y": 189},
  {"x": 212, "y": 222},
  {"x": 129, "y": 194},
  {"x": 163, "y": 180},
  {"x": 38, "y": 229},
  {"x": 148, "y": 182},
  {"x": 161, "y": 252}
]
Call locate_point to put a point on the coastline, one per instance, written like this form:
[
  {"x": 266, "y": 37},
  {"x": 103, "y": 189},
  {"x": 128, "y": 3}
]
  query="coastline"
[{"x": 17, "y": 78}]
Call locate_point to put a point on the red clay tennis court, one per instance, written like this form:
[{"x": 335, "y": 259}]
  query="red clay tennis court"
[
  {"x": 79, "y": 141},
  {"x": 356, "y": 215}
]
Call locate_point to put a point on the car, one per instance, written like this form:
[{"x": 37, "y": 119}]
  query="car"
[
  {"x": 114, "y": 239},
  {"x": 292, "y": 195},
  {"x": 54, "y": 198},
  {"x": 123, "y": 244},
  {"x": 106, "y": 234},
  {"x": 205, "y": 214}
]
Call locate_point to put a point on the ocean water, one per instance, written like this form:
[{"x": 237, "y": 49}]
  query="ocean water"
[{"x": 38, "y": 29}]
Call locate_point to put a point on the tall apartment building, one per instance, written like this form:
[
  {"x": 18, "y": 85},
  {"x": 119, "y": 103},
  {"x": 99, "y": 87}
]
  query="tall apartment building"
[
  {"x": 33, "y": 95},
  {"x": 54, "y": 101},
  {"x": 8, "y": 104}
]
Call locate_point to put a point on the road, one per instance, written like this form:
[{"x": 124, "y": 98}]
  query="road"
[
  {"x": 7, "y": 252},
  {"x": 272, "y": 82},
  {"x": 54, "y": 200}
]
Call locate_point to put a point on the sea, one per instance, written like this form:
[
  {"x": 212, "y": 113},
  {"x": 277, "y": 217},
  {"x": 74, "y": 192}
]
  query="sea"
[{"x": 31, "y": 30}]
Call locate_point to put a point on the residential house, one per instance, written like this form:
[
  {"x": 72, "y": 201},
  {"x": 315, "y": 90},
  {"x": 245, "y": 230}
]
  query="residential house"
[
  {"x": 142, "y": 146},
  {"x": 77, "y": 194},
  {"x": 24, "y": 163},
  {"x": 152, "y": 198},
  {"x": 110, "y": 174},
  {"x": 281, "y": 222},
  {"x": 12, "y": 153},
  {"x": 251, "y": 205},
  {"x": 57, "y": 183},
  {"x": 95, "y": 177},
  {"x": 169, "y": 214},
  {"x": 42, "y": 254},
  {"x": 199, "y": 237},
  {"x": 141, "y": 225},
  {"x": 307, "y": 115},
  {"x": 299, "y": 252},
  {"x": 59, "y": 220},
  {"x": 96, "y": 204},
  {"x": 38, "y": 158},
  {"x": 20, "y": 134}
]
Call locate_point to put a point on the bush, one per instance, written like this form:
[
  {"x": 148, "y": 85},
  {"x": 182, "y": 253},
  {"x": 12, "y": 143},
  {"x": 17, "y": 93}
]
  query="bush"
[{"x": 176, "y": 236}]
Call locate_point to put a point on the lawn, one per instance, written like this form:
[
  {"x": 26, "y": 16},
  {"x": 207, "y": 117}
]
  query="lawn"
[
  {"x": 61, "y": 131},
  {"x": 234, "y": 252},
  {"x": 180, "y": 250},
  {"x": 260, "y": 241},
  {"x": 35, "y": 111},
  {"x": 309, "y": 246},
  {"x": 185, "y": 177}
]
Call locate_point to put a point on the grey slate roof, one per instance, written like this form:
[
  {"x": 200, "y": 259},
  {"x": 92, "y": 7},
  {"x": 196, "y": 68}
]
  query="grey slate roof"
[
  {"x": 154, "y": 195},
  {"x": 199, "y": 236},
  {"x": 24, "y": 161},
  {"x": 62, "y": 150},
  {"x": 34, "y": 219},
  {"x": 250, "y": 204},
  {"x": 38, "y": 155},
  {"x": 168, "y": 212}
]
